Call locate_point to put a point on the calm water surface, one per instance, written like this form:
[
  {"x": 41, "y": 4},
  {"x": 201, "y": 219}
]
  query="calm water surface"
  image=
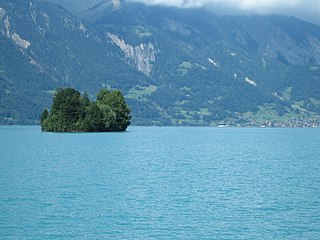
[{"x": 160, "y": 183}]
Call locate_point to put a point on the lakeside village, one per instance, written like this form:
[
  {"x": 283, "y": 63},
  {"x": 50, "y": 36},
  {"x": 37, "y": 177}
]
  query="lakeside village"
[{"x": 310, "y": 122}]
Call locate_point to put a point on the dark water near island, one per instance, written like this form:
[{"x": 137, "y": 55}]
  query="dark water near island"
[{"x": 160, "y": 183}]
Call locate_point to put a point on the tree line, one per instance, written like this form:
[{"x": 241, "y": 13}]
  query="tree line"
[{"x": 73, "y": 112}]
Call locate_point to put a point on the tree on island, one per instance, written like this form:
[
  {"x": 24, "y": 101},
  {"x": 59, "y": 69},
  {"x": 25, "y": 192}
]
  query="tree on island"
[{"x": 71, "y": 112}]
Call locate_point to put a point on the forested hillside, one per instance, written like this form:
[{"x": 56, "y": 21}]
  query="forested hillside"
[{"x": 175, "y": 66}]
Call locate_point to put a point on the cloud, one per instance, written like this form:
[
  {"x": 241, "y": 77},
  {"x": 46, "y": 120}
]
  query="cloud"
[{"x": 306, "y": 9}]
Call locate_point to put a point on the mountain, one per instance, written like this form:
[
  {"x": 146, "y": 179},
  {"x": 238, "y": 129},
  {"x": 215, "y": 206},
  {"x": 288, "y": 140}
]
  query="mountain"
[
  {"x": 45, "y": 47},
  {"x": 77, "y": 6},
  {"x": 175, "y": 66}
]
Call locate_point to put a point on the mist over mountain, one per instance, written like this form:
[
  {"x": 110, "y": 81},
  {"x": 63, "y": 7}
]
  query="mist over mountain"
[
  {"x": 307, "y": 10},
  {"x": 176, "y": 66}
]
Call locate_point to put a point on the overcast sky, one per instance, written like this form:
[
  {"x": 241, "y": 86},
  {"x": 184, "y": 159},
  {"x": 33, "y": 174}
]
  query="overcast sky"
[{"x": 305, "y": 9}]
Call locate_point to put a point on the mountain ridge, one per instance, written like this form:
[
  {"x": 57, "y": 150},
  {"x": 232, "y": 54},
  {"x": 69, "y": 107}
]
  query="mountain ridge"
[{"x": 175, "y": 66}]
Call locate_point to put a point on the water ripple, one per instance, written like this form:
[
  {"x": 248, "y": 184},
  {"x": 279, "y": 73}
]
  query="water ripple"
[{"x": 160, "y": 183}]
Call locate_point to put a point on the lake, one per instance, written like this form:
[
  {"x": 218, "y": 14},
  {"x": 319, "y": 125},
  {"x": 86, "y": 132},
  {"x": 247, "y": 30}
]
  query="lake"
[{"x": 160, "y": 183}]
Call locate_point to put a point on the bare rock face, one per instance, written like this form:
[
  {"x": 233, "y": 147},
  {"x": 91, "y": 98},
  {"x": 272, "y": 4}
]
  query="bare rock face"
[
  {"x": 2, "y": 13},
  {"x": 19, "y": 41},
  {"x": 142, "y": 56},
  {"x": 15, "y": 37}
]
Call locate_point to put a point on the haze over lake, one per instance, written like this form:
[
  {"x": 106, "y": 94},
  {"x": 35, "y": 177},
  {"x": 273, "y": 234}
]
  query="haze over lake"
[{"x": 160, "y": 183}]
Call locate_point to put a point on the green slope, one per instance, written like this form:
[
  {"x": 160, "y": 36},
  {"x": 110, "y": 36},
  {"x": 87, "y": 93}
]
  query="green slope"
[{"x": 175, "y": 66}]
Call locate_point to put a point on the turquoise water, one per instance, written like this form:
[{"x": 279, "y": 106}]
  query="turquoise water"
[{"x": 160, "y": 183}]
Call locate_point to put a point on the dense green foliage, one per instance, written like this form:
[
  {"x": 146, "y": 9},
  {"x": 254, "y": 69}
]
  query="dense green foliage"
[
  {"x": 198, "y": 75},
  {"x": 72, "y": 112}
]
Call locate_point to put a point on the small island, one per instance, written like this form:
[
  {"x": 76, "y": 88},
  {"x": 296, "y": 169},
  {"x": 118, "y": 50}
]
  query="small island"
[{"x": 73, "y": 112}]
